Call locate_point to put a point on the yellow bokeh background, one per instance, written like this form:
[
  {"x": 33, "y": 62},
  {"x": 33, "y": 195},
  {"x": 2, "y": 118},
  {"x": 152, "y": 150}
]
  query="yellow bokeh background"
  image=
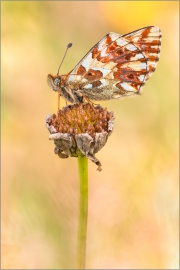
[{"x": 133, "y": 202}]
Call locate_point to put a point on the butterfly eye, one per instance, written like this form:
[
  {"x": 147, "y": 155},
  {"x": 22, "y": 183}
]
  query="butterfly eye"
[{"x": 57, "y": 81}]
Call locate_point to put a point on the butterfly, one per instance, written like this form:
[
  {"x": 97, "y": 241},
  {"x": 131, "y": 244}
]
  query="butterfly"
[{"x": 117, "y": 66}]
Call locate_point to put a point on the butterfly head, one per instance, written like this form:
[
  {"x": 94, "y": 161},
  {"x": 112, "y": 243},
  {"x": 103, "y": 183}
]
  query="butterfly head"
[{"x": 54, "y": 81}]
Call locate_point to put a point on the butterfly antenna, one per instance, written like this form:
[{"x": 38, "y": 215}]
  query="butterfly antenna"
[{"x": 68, "y": 46}]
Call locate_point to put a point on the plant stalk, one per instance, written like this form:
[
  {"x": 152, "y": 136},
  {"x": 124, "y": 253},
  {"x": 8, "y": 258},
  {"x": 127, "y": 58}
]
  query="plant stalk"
[{"x": 83, "y": 211}]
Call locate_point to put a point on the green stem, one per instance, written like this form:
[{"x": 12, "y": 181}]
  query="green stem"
[{"x": 83, "y": 211}]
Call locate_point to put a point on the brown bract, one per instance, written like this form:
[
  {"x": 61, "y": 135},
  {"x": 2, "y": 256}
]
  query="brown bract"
[{"x": 80, "y": 129}]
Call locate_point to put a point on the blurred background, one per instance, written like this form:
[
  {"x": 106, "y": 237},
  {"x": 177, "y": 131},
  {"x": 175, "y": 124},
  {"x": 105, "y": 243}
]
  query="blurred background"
[{"x": 133, "y": 202}]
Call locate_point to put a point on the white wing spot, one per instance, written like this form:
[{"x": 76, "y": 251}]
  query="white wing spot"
[
  {"x": 121, "y": 42},
  {"x": 88, "y": 86},
  {"x": 131, "y": 47},
  {"x": 87, "y": 61},
  {"x": 141, "y": 78},
  {"x": 143, "y": 65},
  {"x": 127, "y": 87},
  {"x": 103, "y": 83},
  {"x": 139, "y": 55},
  {"x": 71, "y": 78},
  {"x": 104, "y": 53}
]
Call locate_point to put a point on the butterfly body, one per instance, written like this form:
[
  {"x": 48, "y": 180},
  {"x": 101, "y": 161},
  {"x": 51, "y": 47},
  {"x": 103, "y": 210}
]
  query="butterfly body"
[{"x": 117, "y": 66}]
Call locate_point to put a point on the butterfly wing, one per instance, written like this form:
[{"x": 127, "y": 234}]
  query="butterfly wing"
[{"x": 117, "y": 65}]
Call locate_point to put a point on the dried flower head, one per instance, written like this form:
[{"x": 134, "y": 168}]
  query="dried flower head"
[{"x": 80, "y": 129}]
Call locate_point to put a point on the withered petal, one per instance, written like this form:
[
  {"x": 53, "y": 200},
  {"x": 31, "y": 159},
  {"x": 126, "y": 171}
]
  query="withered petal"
[
  {"x": 84, "y": 141},
  {"x": 50, "y": 127},
  {"x": 100, "y": 141},
  {"x": 62, "y": 140},
  {"x": 111, "y": 124}
]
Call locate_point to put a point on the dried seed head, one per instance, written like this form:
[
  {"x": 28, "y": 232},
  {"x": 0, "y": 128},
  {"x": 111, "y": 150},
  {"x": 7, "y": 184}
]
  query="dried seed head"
[
  {"x": 83, "y": 116},
  {"x": 80, "y": 129}
]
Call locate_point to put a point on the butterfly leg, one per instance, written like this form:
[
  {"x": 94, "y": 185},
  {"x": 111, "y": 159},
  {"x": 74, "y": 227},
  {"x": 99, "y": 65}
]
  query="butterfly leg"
[
  {"x": 90, "y": 102},
  {"x": 59, "y": 96}
]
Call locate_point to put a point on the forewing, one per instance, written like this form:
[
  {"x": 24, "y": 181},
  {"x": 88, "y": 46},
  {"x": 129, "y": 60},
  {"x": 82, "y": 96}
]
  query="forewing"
[
  {"x": 87, "y": 62},
  {"x": 117, "y": 65}
]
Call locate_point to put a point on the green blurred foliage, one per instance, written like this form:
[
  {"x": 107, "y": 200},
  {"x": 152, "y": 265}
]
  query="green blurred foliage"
[{"x": 133, "y": 202}]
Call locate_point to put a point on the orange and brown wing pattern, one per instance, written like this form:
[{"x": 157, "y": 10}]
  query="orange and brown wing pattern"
[
  {"x": 148, "y": 40},
  {"x": 117, "y": 65}
]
